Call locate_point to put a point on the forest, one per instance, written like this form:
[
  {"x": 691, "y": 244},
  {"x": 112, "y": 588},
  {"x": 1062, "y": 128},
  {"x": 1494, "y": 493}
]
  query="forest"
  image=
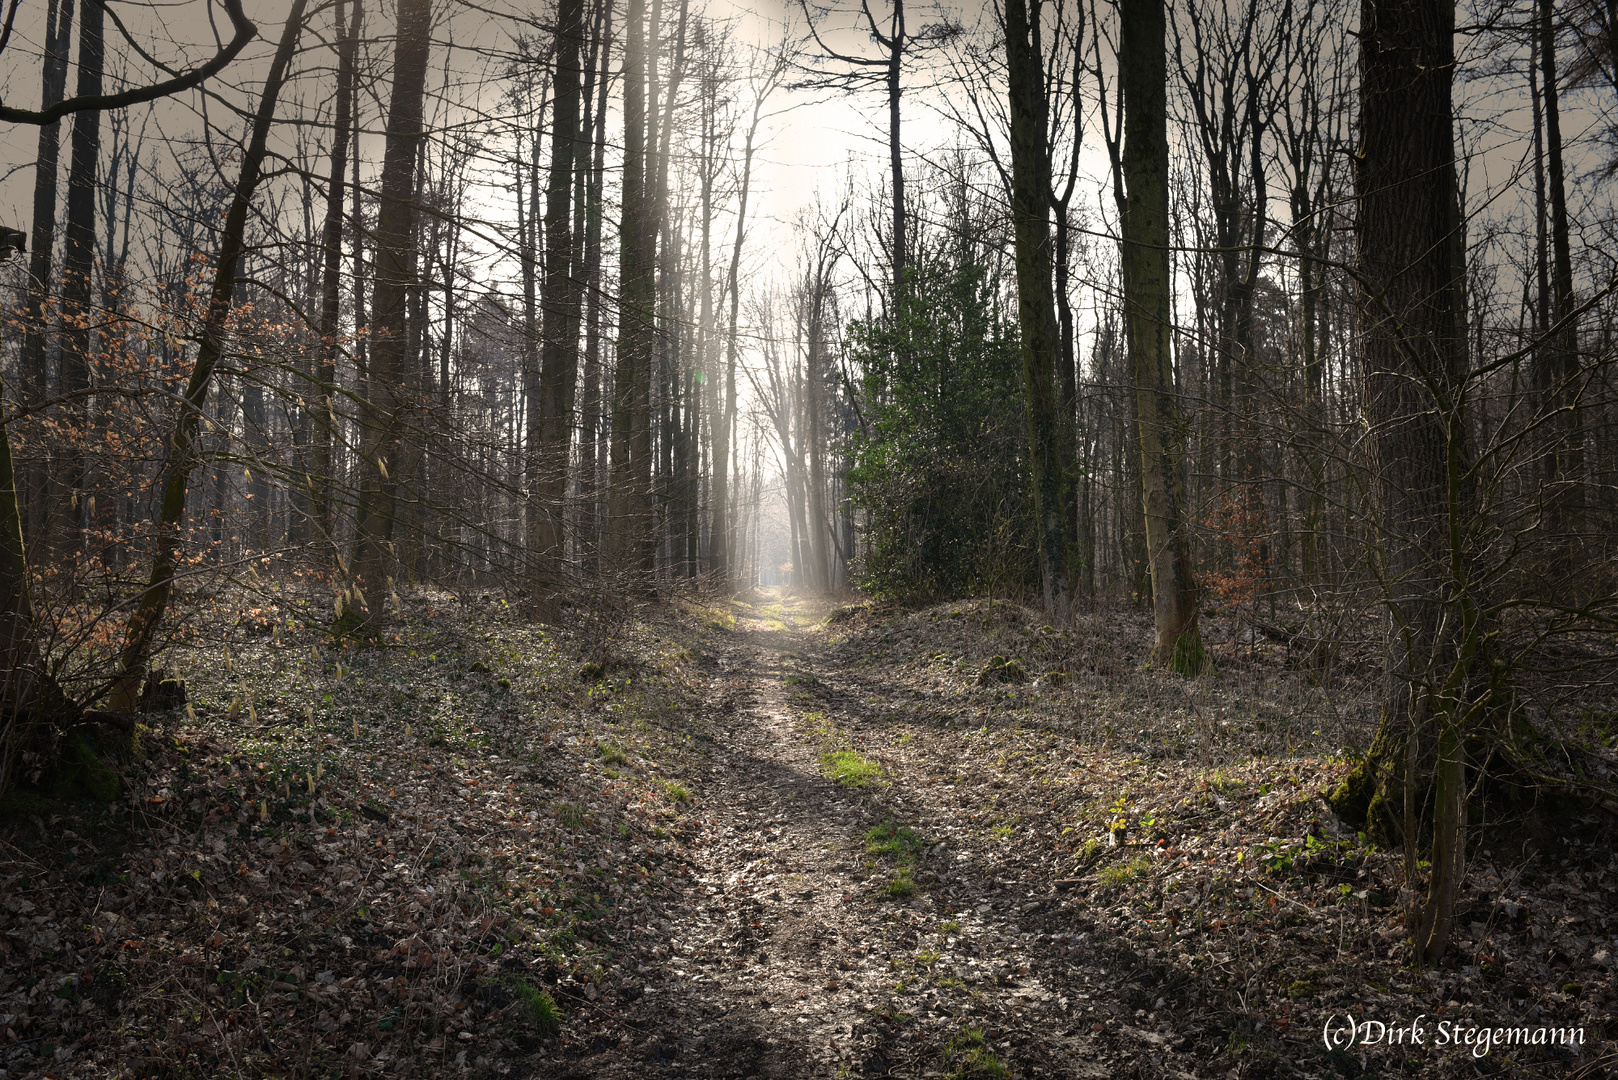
[{"x": 618, "y": 538}]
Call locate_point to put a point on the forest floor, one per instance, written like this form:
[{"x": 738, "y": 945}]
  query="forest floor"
[{"x": 771, "y": 837}]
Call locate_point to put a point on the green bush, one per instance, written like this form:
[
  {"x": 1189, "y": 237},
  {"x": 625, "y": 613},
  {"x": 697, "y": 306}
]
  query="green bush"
[{"x": 942, "y": 468}]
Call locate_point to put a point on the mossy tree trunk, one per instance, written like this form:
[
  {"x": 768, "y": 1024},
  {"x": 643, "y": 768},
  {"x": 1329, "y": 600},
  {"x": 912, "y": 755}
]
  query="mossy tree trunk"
[{"x": 1411, "y": 263}]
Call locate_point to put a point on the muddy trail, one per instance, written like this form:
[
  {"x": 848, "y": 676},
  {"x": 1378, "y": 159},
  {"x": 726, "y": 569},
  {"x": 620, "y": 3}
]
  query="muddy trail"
[{"x": 837, "y": 921}]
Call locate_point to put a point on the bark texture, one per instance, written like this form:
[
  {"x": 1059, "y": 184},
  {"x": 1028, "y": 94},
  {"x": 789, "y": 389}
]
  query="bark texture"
[
  {"x": 1050, "y": 441},
  {"x": 391, "y": 378},
  {"x": 1147, "y": 295}
]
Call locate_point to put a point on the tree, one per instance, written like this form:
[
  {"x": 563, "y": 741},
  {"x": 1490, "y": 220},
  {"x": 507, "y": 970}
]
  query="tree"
[
  {"x": 322, "y": 412},
  {"x": 629, "y": 525},
  {"x": 58, "y": 22},
  {"x": 78, "y": 268},
  {"x": 182, "y": 450},
  {"x": 1147, "y": 297},
  {"x": 885, "y": 70},
  {"x": 1050, "y": 440},
  {"x": 551, "y": 417},
  {"x": 1559, "y": 364},
  {"x": 1410, "y": 270},
  {"x": 389, "y": 381},
  {"x": 88, "y": 96},
  {"x": 724, "y": 411}
]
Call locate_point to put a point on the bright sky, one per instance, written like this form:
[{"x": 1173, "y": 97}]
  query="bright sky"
[{"x": 812, "y": 145}]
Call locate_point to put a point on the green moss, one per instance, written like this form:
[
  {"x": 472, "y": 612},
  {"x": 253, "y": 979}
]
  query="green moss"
[
  {"x": 901, "y": 886},
  {"x": 81, "y": 772},
  {"x": 970, "y": 1058},
  {"x": 1190, "y": 658},
  {"x": 1369, "y": 797},
  {"x": 1001, "y": 670},
  {"x": 899, "y": 841},
  {"x": 24, "y": 804},
  {"x": 1124, "y": 873}
]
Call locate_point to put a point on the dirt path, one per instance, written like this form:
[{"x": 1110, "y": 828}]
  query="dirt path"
[{"x": 791, "y": 955}]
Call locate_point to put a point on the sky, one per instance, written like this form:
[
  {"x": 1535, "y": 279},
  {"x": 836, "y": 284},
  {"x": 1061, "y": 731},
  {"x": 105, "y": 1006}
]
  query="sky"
[{"x": 811, "y": 146}]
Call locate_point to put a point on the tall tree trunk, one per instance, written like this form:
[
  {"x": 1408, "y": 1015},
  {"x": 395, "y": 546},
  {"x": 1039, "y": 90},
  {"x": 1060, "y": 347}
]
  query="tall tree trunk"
[
  {"x": 1412, "y": 328},
  {"x": 1147, "y": 294},
  {"x": 707, "y": 170},
  {"x": 1565, "y": 464},
  {"x": 811, "y": 435},
  {"x": 724, "y": 414},
  {"x": 896, "y": 43},
  {"x": 323, "y": 416},
  {"x": 559, "y": 359},
  {"x": 529, "y": 245},
  {"x": 35, "y": 477},
  {"x": 78, "y": 268},
  {"x": 1050, "y": 446},
  {"x": 589, "y": 535},
  {"x": 631, "y": 445},
  {"x": 182, "y": 450},
  {"x": 392, "y": 376}
]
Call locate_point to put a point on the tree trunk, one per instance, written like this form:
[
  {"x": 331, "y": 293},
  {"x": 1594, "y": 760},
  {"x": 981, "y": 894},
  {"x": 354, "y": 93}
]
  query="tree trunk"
[
  {"x": 1561, "y": 354},
  {"x": 391, "y": 384},
  {"x": 559, "y": 359},
  {"x": 1147, "y": 296},
  {"x": 622, "y": 545},
  {"x": 323, "y": 416},
  {"x": 1412, "y": 328},
  {"x": 182, "y": 451},
  {"x": 896, "y": 44},
  {"x": 78, "y": 268},
  {"x": 724, "y": 414},
  {"x": 58, "y": 22},
  {"x": 1050, "y": 442},
  {"x": 589, "y": 532}
]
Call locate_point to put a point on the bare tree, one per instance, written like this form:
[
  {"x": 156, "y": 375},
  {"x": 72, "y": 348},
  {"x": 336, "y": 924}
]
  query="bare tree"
[
  {"x": 1147, "y": 292},
  {"x": 390, "y": 385}
]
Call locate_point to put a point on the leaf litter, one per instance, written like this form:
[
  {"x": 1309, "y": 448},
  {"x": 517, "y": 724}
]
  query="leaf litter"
[{"x": 762, "y": 838}]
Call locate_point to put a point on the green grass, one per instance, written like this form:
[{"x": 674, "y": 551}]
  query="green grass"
[
  {"x": 948, "y": 927},
  {"x": 541, "y": 1007},
  {"x": 613, "y": 754},
  {"x": 1124, "y": 873},
  {"x": 901, "y": 886},
  {"x": 850, "y": 769},
  {"x": 971, "y": 1059},
  {"x": 676, "y": 790},
  {"x": 899, "y": 841},
  {"x": 1004, "y": 832},
  {"x": 570, "y": 815}
]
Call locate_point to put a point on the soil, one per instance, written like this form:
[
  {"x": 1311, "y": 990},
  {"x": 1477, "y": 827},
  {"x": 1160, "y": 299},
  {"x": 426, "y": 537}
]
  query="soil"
[{"x": 766, "y": 838}]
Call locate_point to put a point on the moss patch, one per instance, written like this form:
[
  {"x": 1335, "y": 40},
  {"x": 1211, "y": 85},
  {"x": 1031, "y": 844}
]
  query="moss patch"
[{"x": 81, "y": 772}]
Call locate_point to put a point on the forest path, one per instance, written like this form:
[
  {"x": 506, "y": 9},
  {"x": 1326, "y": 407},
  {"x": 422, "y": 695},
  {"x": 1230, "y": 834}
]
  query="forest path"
[{"x": 789, "y": 954}]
